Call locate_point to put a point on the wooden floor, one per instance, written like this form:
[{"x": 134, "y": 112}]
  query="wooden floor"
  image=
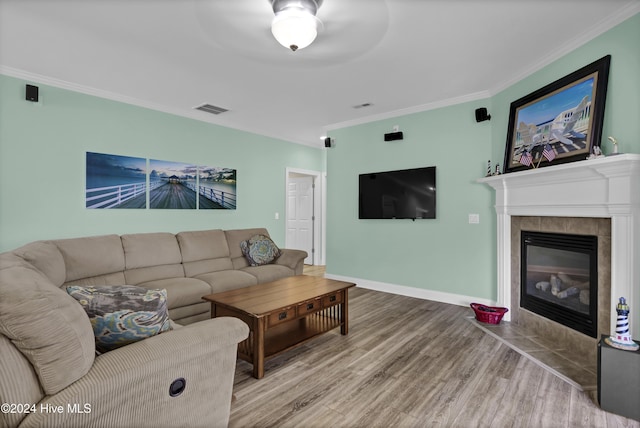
[{"x": 409, "y": 363}]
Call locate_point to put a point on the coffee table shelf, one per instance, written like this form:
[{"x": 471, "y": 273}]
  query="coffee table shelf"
[{"x": 286, "y": 336}]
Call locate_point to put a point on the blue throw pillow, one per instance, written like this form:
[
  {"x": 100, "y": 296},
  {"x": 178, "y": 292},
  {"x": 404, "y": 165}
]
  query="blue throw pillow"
[
  {"x": 260, "y": 250},
  {"x": 121, "y": 315}
]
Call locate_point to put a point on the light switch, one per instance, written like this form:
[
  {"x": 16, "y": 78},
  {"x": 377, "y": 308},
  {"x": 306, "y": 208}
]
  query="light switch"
[
  {"x": 277, "y": 216},
  {"x": 474, "y": 218}
]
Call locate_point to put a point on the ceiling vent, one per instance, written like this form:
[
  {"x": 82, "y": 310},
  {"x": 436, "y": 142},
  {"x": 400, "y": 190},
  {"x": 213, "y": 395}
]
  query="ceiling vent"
[{"x": 211, "y": 109}]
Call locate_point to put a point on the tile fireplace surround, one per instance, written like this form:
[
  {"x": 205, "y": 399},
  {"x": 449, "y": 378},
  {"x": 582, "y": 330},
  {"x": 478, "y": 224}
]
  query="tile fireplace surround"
[{"x": 606, "y": 190}]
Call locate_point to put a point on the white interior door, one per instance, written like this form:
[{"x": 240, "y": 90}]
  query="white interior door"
[{"x": 300, "y": 215}]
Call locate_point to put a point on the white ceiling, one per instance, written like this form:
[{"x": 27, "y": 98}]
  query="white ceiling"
[{"x": 401, "y": 56}]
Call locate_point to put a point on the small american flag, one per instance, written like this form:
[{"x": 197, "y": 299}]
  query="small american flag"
[
  {"x": 526, "y": 158},
  {"x": 548, "y": 152}
]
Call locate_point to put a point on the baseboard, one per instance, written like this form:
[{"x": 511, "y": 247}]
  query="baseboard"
[{"x": 419, "y": 293}]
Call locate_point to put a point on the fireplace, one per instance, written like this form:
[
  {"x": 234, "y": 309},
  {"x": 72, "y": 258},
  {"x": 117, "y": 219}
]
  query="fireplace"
[
  {"x": 559, "y": 278},
  {"x": 605, "y": 188}
]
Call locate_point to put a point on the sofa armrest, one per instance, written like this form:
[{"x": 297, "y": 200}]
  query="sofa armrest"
[
  {"x": 130, "y": 386},
  {"x": 293, "y": 259}
]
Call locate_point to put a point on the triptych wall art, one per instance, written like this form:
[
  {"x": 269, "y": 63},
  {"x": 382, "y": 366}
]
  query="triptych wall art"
[{"x": 124, "y": 182}]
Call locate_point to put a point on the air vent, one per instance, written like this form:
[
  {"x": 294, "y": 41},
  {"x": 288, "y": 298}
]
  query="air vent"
[
  {"x": 363, "y": 105},
  {"x": 211, "y": 109}
]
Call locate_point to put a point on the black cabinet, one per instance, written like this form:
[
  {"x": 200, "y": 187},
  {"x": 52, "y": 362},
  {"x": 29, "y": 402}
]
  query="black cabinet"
[{"x": 619, "y": 380}]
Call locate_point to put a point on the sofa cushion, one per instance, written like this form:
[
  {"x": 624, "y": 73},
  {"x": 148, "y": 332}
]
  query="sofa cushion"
[
  {"x": 91, "y": 256},
  {"x": 151, "y": 256},
  {"x": 122, "y": 315},
  {"x": 268, "y": 273},
  {"x": 150, "y": 249},
  {"x": 184, "y": 314},
  {"x": 202, "y": 245},
  {"x": 116, "y": 278},
  {"x": 204, "y": 251},
  {"x": 45, "y": 324},
  {"x": 47, "y": 258},
  {"x": 195, "y": 318},
  {"x": 180, "y": 291},
  {"x": 260, "y": 250},
  {"x": 234, "y": 237},
  {"x": 228, "y": 280}
]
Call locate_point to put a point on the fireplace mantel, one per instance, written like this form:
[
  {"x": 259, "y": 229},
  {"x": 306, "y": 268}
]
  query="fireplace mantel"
[{"x": 607, "y": 187}]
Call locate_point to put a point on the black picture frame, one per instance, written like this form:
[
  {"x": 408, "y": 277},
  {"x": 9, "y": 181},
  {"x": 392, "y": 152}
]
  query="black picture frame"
[{"x": 559, "y": 123}]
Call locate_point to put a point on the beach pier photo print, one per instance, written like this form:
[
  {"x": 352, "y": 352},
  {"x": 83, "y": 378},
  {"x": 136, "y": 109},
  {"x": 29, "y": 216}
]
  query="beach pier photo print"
[
  {"x": 169, "y": 185},
  {"x": 216, "y": 188},
  {"x": 114, "y": 181}
]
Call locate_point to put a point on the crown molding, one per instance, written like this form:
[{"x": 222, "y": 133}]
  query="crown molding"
[
  {"x": 623, "y": 14},
  {"x": 87, "y": 90},
  {"x": 410, "y": 110}
]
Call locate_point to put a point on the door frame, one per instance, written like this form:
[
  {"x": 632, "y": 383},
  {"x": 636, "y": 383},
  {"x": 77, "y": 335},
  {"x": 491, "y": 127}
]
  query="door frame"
[{"x": 319, "y": 199}]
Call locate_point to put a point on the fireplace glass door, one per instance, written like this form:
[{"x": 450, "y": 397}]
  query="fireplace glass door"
[{"x": 559, "y": 278}]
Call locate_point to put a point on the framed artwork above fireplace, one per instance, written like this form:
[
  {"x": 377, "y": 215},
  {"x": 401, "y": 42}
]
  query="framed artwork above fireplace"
[{"x": 559, "y": 123}]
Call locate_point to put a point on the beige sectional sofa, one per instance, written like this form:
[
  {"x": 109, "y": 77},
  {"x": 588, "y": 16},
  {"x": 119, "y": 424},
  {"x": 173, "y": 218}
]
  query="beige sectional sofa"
[{"x": 47, "y": 344}]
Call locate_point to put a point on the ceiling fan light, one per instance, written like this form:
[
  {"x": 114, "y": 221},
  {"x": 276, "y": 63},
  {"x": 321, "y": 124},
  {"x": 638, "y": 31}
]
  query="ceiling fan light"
[{"x": 294, "y": 28}]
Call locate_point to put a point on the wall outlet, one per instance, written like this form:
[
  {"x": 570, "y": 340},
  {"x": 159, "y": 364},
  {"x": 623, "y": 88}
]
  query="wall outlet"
[
  {"x": 277, "y": 216},
  {"x": 474, "y": 218}
]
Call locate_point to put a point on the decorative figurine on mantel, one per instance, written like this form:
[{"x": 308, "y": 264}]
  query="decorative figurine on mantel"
[
  {"x": 497, "y": 170},
  {"x": 488, "y": 168},
  {"x": 615, "y": 146},
  {"x": 622, "y": 338},
  {"x": 596, "y": 153}
]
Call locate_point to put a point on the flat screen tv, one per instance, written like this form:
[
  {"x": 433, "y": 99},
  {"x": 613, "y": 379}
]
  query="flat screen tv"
[{"x": 407, "y": 193}]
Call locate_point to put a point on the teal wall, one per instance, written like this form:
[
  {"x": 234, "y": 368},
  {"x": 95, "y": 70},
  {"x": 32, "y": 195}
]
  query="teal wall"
[
  {"x": 448, "y": 254},
  {"x": 42, "y": 166},
  {"x": 445, "y": 254}
]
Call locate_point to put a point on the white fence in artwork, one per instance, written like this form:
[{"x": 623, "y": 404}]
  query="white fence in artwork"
[
  {"x": 112, "y": 196},
  {"x": 225, "y": 199}
]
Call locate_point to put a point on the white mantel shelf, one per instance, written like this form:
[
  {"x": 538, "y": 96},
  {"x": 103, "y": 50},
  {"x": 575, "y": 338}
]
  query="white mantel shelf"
[{"x": 607, "y": 187}]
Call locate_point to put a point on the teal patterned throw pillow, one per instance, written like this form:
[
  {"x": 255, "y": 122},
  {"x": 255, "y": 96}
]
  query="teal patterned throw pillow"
[
  {"x": 121, "y": 315},
  {"x": 260, "y": 250}
]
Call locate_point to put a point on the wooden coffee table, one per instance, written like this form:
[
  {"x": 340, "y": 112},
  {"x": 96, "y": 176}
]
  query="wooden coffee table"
[{"x": 283, "y": 314}]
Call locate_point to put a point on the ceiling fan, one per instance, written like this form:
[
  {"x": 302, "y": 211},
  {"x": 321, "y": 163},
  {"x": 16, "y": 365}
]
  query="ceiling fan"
[
  {"x": 243, "y": 28},
  {"x": 295, "y": 25}
]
